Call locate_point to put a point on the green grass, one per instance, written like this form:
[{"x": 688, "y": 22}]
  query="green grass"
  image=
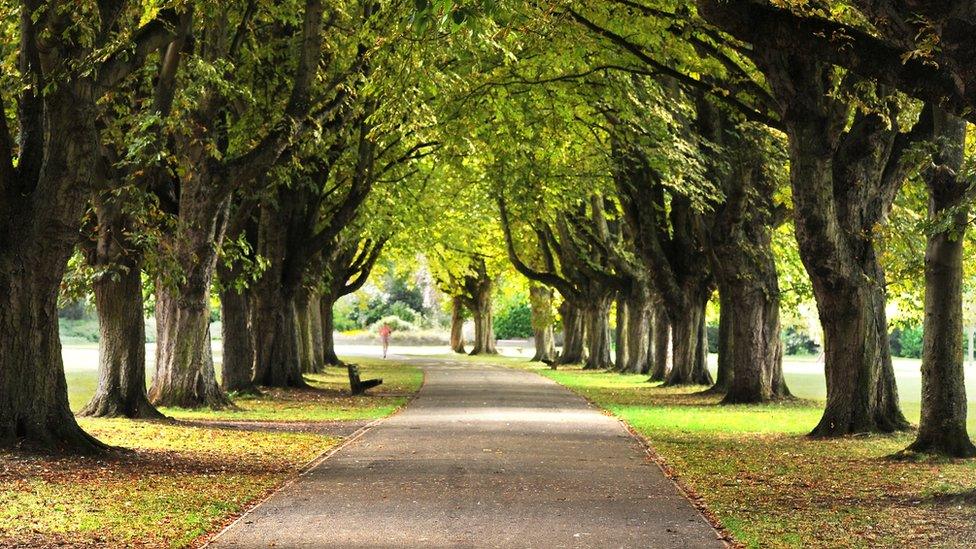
[
  {"x": 771, "y": 486},
  {"x": 182, "y": 481}
]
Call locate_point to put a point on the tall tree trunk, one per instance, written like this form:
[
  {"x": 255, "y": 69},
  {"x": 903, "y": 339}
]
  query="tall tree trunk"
[
  {"x": 33, "y": 393},
  {"x": 757, "y": 350},
  {"x": 689, "y": 345},
  {"x": 184, "y": 374},
  {"x": 484, "y": 330},
  {"x": 457, "y": 325},
  {"x": 844, "y": 175},
  {"x": 622, "y": 335},
  {"x": 315, "y": 321},
  {"x": 942, "y": 428},
  {"x": 638, "y": 335},
  {"x": 306, "y": 358},
  {"x": 277, "y": 348},
  {"x": 573, "y": 351},
  {"x": 121, "y": 388},
  {"x": 237, "y": 370},
  {"x": 724, "y": 371},
  {"x": 596, "y": 315},
  {"x": 662, "y": 343},
  {"x": 329, "y": 356},
  {"x": 540, "y": 300}
]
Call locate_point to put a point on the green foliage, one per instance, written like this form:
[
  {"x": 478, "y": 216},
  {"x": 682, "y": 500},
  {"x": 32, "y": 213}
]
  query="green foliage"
[
  {"x": 798, "y": 342},
  {"x": 395, "y": 323},
  {"x": 513, "y": 320},
  {"x": 906, "y": 342}
]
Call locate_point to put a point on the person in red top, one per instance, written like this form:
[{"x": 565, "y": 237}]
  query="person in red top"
[{"x": 385, "y": 332}]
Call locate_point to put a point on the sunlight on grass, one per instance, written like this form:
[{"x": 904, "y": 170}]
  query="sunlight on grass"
[{"x": 181, "y": 481}]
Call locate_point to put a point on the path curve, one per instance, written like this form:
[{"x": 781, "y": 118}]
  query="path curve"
[{"x": 485, "y": 456}]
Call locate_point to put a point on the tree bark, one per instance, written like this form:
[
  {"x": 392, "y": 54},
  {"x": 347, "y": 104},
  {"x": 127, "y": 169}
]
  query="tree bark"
[
  {"x": 596, "y": 316},
  {"x": 237, "y": 370},
  {"x": 329, "y": 356},
  {"x": 33, "y": 393},
  {"x": 942, "y": 428},
  {"x": 484, "y": 330},
  {"x": 121, "y": 388},
  {"x": 457, "y": 325},
  {"x": 844, "y": 174},
  {"x": 757, "y": 350},
  {"x": 315, "y": 321},
  {"x": 662, "y": 342},
  {"x": 184, "y": 374},
  {"x": 724, "y": 372},
  {"x": 540, "y": 300},
  {"x": 306, "y": 346},
  {"x": 622, "y": 335},
  {"x": 689, "y": 346},
  {"x": 573, "y": 351},
  {"x": 638, "y": 357}
]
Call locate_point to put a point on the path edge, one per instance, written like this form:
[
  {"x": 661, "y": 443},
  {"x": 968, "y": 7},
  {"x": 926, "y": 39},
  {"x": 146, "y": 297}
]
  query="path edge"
[{"x": 308, "y": 467}]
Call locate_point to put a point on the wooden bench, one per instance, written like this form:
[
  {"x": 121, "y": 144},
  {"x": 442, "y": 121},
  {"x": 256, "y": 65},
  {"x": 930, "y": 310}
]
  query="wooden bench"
[{"x": 357, "y": 385}]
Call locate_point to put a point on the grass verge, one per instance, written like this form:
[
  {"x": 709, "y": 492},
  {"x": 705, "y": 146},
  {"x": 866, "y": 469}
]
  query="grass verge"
[
  {"x": 182, "y": 480},
  {"x": 771, "y": 486}
]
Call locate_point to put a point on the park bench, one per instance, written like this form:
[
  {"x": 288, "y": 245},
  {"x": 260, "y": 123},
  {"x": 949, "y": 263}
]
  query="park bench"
[{"x": 358, "y": 385}]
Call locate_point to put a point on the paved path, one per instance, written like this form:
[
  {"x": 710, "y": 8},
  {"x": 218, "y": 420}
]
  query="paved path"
[{"x": 485, "y": 456}]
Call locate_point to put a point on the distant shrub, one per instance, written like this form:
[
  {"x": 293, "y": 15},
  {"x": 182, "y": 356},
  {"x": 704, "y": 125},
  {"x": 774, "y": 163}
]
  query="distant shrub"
[
  {"x": 395, "y": 323},
  {"x": 513, "y": 321},
  {"x": 796, "y": 342},
  {"x": 75, "y": 332},
  {"x": 910, "y": 343},
  {"x": 403, "y": 311},
  {"x": 711, "y": 330}
]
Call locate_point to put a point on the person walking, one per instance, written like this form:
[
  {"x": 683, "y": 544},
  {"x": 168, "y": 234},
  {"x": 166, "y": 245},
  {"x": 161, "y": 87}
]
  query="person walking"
[{"x": 385, "y": 332}]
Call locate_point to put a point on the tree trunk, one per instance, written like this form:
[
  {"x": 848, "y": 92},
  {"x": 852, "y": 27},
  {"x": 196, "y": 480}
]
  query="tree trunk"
[
  {"x": 662, "y": 342},
  {"x": 596, "y": 315},
  {"x": 844, "y": 175},
  {"x": 690, "y": 348},
  {"x": 484, "y": 330},
  {"x": 329, "y": 357},
  {"x": 237, "y": 370},
  {"x": 184, "y": 374},
  {"x": 621, "y": 334},
  {"x": 306, "y": 358},
  {"x": 277, "y": 348},
  {"x": 457, "y": 325},
  {"x": 724, "y": 372},
  {"x": 121, "y": 388},
  {"x": 315, "y": 322},
  {"x": 757, "y": 350},
  {"x": 33, "y": 393},
  {"x": 638, "y": 336},
  {"x": 942, "y": 428},
  {"x": 540, "y": 300},
  {"x": 861, "y": 392},
  {"x": 572, "y": 351}
]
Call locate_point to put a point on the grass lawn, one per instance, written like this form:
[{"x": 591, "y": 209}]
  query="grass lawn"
[
  {"x": 771, "y": 486},
  {"x": 181, "y": 481}
]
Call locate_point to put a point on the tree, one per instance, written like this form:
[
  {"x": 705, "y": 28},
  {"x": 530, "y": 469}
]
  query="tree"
[
  {"x": 942, "y": 428},
  {"x": 210, "y": 167},
  {"x": 67, "y": 62},
  {"x": 540, "y": 301}
]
